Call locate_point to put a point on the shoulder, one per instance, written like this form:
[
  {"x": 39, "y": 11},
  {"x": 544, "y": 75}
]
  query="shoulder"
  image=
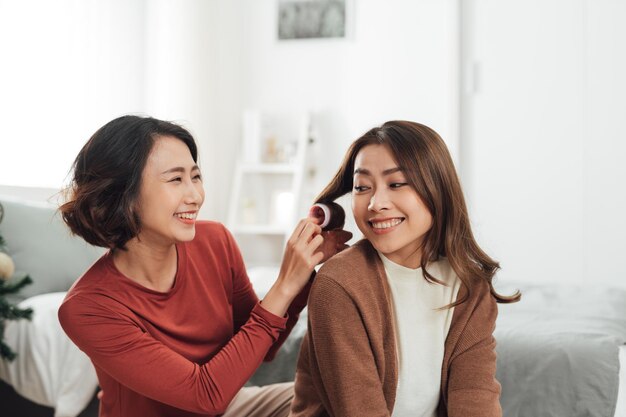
[
  {"x": 84, "y": 308},
  {"x": 88, "y": 302},
  {"x": 350, "y": 290},
  {"x": 480, "y": 293},
  {"x": 101, "y": 291},
  {"x": 350, "y": 264},
  {"x": 100, "y": 285},
  {"x": 101, "y": 276},
  {"x": 355, "y": 274},
  {"x": 479, "y": 311}
]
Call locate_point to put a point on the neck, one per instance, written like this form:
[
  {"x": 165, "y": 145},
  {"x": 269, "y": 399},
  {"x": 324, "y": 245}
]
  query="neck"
[{"x": 152, "y": 266}]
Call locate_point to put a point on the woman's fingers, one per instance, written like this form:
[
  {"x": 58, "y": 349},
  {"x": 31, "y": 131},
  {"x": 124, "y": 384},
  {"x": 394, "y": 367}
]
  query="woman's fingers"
[
  {"x": 334, "y": 242},
  {"x": 315, "y": 243},
  {"x": 305, "y": 228},
  {"x": 306, "y": 247},
  {"x": 313, "y": 246}
]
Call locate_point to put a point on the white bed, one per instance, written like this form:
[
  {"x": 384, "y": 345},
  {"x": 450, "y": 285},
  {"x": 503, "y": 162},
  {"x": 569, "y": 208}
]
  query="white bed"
[{"x": 49, "y": 370}]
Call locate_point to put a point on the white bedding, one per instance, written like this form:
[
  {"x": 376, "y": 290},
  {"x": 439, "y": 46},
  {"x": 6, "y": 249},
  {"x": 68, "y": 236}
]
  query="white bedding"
[{"x": 49, "y": 370}]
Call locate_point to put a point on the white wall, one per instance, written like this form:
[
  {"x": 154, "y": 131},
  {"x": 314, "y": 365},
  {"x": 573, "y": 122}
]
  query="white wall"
[
  {"x": 542, "y": 143},
  {"x": 74, "y": 65},
  {"x": 178, "y": 73},
  {"x": 541, "y": 152},
  {"x": 66, "y": 68},
  {"x": 604, "y": 167}
]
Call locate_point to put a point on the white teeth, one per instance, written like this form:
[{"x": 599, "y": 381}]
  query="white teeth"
[
  {"x": 386, "y": 224},
  {"x": 189, "y": 216}
]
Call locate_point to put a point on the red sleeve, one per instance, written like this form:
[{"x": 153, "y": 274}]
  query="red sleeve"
[
  {"x": 119, "y": 347},
  {"x": 244, "y": 297}
]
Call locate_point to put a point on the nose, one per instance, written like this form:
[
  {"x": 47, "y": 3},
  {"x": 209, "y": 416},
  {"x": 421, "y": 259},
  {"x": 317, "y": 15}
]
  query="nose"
[
  {"x": 194, "y": 194},
  {"x": 379, "y": 201}
]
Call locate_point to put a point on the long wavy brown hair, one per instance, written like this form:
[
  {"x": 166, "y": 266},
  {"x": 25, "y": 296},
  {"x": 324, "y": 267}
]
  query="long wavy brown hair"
[{"x": 428, "y": 167}]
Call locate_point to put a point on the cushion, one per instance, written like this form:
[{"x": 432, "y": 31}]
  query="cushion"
[{"x": 42, "y": 247}]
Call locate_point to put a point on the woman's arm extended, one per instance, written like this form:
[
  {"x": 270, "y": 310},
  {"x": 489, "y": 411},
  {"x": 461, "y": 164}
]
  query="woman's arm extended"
[
  {"x": 244, "y": 297},
  {"x": 121, "y": 348}
]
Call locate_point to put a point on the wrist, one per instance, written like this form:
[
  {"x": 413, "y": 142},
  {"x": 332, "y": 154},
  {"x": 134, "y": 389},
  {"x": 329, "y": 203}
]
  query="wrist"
[
  {"x": 286, "y": 288},
  {"x": 278, "y": 298}
]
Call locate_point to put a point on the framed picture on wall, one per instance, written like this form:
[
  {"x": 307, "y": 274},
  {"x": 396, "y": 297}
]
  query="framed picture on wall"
[{"x": 312, "y": 19}]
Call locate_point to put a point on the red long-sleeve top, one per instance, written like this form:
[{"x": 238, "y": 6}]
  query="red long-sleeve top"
[{"x": 186, "y": 352}]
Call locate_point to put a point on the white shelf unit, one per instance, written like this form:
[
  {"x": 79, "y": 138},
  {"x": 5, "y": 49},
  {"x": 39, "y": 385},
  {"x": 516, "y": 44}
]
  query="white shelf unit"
[{"x": 267, "y": 198}]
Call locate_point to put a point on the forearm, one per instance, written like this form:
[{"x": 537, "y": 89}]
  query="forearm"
[
  {"x": 293, "y": 315},
  {"x": 277, "y": 301}
]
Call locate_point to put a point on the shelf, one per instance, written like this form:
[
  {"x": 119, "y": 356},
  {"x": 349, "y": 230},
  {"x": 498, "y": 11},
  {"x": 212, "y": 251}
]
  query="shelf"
[{"x": 266, "y": 196}]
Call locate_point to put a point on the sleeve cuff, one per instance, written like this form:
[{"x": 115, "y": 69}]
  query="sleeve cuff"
[{"x": 280, "y": 323}]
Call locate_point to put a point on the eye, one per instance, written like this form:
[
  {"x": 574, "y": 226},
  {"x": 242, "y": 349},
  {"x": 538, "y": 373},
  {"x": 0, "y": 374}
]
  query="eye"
[
  {"x": 360, "y": 188},
  {"x": 397, "y": 184},
  {"x": 197, "y": 177},
  {"x": 177, "y": 179}
]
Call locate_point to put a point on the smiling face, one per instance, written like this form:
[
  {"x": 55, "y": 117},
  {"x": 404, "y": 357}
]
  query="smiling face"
[
  {"x": 171, "y": 194},
  {"x": 387, "y": 210}
]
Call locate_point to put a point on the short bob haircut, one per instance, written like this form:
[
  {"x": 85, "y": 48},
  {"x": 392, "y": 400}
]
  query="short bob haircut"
[
  {"x": 425, "y": 161},
  {"x": 101, "y": 198}
]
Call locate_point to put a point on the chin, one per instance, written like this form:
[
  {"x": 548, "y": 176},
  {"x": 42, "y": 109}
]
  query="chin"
[
  {"x": 382, "y": 248},
  {"x": 186, "y": 236},
  {"x": 386, "y": 247}
]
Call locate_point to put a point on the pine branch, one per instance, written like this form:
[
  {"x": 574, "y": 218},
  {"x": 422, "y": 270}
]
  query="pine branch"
[
  {"x": 13, "y": 287},
  {"x": 6, "y": 352},
  {"x": 9, "y": 311},
  {"x": 12, "y": 312}
]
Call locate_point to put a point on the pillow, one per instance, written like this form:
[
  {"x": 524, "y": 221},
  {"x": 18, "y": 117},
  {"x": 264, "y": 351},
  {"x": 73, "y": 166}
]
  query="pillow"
[{"x": 42, "y": 247}]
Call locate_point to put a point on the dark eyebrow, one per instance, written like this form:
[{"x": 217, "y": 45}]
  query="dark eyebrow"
[
  {"x": 389, "y": 171},
  {"x": 180, "y": 169}
]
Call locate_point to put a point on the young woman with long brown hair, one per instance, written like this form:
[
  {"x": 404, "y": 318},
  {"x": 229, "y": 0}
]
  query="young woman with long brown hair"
[{"x": 402, "y": 322}]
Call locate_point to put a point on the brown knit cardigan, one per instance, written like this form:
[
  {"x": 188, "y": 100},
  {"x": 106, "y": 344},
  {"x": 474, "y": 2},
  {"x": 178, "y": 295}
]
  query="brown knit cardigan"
[{"x": 348, "y": 364}]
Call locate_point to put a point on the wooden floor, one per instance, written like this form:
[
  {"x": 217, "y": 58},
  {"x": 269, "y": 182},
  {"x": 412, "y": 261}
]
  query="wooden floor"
[{"x": 14, "y": 405}]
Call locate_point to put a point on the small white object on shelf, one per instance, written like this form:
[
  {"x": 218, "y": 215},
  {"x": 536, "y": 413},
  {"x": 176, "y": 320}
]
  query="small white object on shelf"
[{"x": 267, "y": 186}]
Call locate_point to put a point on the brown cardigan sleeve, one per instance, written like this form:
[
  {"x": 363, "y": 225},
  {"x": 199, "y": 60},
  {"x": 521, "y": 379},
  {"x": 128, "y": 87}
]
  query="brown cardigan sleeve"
[
  {"x": 473, "y": 390},
  {"x": 337, "y": 373}
]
